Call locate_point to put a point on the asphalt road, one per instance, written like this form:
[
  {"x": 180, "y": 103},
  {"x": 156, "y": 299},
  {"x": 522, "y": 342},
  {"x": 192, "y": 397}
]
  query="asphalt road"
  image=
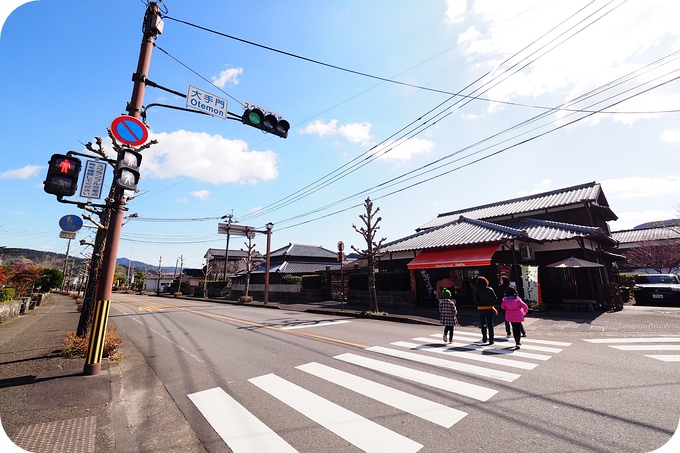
[{"x": 280, "y": 380}]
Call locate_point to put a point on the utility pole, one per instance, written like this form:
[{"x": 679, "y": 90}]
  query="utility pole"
[{"x": 152, "y": 27}]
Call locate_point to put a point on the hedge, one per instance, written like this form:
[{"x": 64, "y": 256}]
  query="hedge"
[
  {"x": 6, "y": 294},
  {"x": 384, "y": 281},
  {"x": 312, "y": 281}
]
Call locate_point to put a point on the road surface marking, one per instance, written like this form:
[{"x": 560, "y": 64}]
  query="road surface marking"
[
  {"x": 665, "y": 358},
  {"x": 504, "y": 338},
  {"x": 448, "y": 364},
  {"x": 443, "y": 383},
  {"x": 314, "y": 324},
  {"x": 264, "y": 326},
  {"x": 499, "y": 351},
  {"x": 648, "y": 347},
  {"x": 468, "y": 355},
  {"x": 635, "y": 340},
  {"x": 412, "y": 404},
  {"x": 241, "y": 430},
  {"x": 511, "y": 342},
  {"x": 359, "y": 431}
]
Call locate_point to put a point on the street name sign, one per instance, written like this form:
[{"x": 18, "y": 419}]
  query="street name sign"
[
  {"x": 250, "y": 105},
  {"x": 206, "y": 102},
  {"x": 235, "y": 230},
  {"x": 93, "y": 179},
  {"x": 129, "y": 130}
]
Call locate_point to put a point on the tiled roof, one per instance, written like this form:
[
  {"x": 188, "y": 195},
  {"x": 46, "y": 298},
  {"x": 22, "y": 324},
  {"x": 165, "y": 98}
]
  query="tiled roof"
[
  {"x": 525, "y": 206},
  {"x": 219, "y": 253},
  {"x": 646, "y": 234},
  {"x": 302, "y": 250},
  {"x": 297, "y": 267},
  {"x": 466, "y": 231}
]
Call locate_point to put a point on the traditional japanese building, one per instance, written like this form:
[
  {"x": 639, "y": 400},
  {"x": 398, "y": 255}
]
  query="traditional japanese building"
[{"x": 519, "y": 238}]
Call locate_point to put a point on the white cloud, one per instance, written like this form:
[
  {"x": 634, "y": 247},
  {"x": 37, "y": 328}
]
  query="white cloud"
[
  {"x": 641, "y": 187},
  {"x": 207, "y": 158},
  {"x": 671, "y": 136},
  {"x": 359, "y": 133},
  {"x": 630, "y": 219},
  {"x": 227, "y": 76},
  {"x": 405, "y": 150},
  {"x": 455, "y": 9},
  {"x": 567, "y": 64},
  {"x": 22, "y": 173},
  {"x": 201, "y": 194},
  {"x": 540, "y": 187}
]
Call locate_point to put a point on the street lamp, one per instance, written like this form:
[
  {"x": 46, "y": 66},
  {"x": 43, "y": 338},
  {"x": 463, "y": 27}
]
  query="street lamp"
[{"x": 268, "y": 227}]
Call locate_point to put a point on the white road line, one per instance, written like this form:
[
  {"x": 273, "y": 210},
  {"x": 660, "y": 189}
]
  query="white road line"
[
  {"x": 448, "y": 364},
  {"x": 502, "y": 351},
  {"x": 648, "y": 347},
  {"x": 635, "y": 340},
  {"x": 240, "y": 429},
  {"x": 509, "y": 340},
  {"x": 443, "y": 383},
  {"x": 468, "y": 355},
  {"x": 412, "y": 404},
  {"x": 318, "y": 324},
  {"x": 357, "y": 430},
  {"x": 665, "y": 358}
]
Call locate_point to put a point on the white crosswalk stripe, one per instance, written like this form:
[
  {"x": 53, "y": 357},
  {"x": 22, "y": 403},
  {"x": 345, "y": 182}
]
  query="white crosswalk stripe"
[
  {"x": 644, "y": 344},
  {"x": 449, "y": 364},
  {"x": 472, "y": 356},
  {"x": 242, "y": 431},
  {"x": 420, "y": 407},
  {"x": 440, "y": 382},
  {"x": 357, "y": 430}
]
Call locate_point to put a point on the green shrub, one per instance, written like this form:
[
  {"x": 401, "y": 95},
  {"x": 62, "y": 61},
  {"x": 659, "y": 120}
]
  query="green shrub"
[
  {"x": 6, "y": 294},
  {"x": 289, "y": 279},
  {"x": 312, "y": 281}
]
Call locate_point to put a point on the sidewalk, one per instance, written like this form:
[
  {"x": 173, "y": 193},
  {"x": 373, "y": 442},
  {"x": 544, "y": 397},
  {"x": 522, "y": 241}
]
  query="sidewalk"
[{"x": 47, "y": 405}]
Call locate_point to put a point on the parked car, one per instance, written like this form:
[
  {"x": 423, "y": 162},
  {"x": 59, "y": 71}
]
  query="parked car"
[{"x": 660, "y": 289}]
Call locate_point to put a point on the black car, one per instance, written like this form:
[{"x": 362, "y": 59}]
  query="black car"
[{"x": 661, "y": 289}]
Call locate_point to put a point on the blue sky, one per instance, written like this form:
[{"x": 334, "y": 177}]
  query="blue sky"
[{"x": 65, "y": 73}]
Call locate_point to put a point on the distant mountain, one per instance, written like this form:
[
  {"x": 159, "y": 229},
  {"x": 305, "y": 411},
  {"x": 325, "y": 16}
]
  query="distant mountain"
[
  {"x": 138, "y": 266},
  {"x": 56, "y": 261},
  {"x": 659, "y": 224}
]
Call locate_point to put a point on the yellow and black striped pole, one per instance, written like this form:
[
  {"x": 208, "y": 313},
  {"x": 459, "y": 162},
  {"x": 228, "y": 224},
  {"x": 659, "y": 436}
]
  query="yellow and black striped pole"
[{"x": 97, "y": 336}]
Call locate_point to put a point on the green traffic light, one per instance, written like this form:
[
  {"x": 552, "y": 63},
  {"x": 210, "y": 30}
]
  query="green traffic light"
[{"x": 254, "y": 118}]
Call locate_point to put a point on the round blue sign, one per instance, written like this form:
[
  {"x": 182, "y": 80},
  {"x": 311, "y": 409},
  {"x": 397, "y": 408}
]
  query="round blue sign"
[{"x": 71, "y": 223}]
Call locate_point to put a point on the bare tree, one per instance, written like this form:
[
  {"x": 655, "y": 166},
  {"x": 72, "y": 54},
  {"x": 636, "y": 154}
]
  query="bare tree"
[
  {"x": 249, "y": 260},
  {"x": 372, "y": 251}
]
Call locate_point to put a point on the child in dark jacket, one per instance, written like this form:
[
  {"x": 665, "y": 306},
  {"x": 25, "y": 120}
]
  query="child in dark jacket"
[{"x": 515, "y": 309}]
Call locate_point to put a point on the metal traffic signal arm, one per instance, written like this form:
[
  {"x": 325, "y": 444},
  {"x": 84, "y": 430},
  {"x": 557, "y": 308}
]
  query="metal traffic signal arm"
[
  {"x": 252, "y": 116},
  {"x": 60, "y": 198}
]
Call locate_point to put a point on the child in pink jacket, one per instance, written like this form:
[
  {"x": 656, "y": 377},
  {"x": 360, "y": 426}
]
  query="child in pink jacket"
[{"x": 515, "y": 309}]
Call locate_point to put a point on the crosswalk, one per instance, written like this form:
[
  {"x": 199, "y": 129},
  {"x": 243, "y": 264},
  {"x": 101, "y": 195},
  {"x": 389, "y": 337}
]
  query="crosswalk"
[
  {"x": 669, "y": 344},
  {"x": 422, "y": 363}
]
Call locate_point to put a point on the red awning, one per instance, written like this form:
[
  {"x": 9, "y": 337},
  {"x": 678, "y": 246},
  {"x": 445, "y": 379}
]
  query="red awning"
[{"x": 459, "y": 257}]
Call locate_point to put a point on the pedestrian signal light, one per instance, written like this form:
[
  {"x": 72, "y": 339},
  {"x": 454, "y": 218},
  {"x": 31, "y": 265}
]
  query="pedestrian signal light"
[
  {"x": 62, "y": 175},
  {"x": 127, "y": 169},
  {"x": 268, "y": 123}
]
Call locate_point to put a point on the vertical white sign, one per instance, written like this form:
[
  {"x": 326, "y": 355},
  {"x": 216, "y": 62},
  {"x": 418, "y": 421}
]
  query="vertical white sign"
[{"x": 93, "y": 179}]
